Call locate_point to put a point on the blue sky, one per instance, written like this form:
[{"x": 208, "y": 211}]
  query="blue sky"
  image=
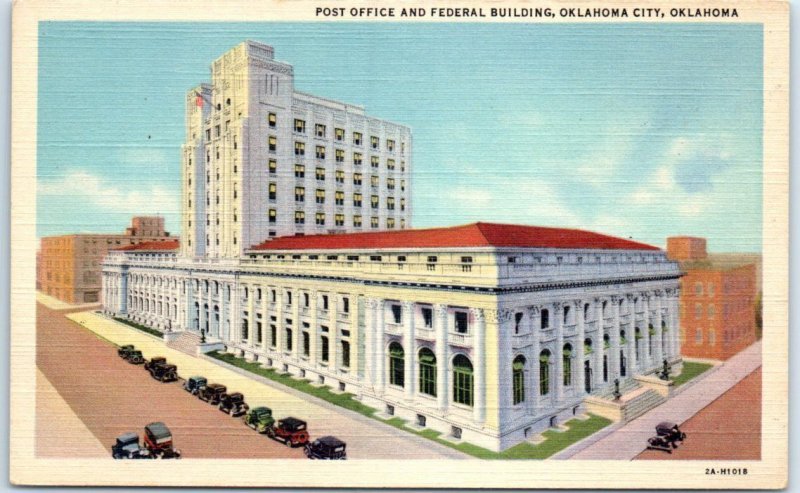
[{"x": 641, "y": 131}]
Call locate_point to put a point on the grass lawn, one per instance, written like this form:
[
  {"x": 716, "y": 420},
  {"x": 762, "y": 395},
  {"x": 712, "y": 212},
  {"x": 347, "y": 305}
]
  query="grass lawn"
[
  {"x": 141, "y": 327},
  {"x": 555, "y": 441},
  {"x": 690, "y": 371}
]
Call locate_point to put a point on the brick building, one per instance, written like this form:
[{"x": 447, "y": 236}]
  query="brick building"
[
  {"x": 69, "y": 266},
  {"x": 717, "y": 301}
]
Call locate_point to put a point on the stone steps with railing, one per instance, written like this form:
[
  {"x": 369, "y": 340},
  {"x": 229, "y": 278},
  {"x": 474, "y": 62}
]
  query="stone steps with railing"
[
  {"x": 186, "y": 342},
  {"x": 635, "y": 400}
]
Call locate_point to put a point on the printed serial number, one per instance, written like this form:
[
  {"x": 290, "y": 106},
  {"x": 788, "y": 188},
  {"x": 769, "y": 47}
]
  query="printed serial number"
[{"x": 726, "y": 471}]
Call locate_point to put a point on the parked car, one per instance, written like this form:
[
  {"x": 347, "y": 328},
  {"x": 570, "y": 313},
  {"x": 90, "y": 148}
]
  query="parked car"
[
  {"x": 135, "y": 357},
  {"x": 659, "y": 443},
  {"x": 194, "y": 384},
  {"x": 155, "y": 360},
  {"x": 123, "y": 351},
  {"x": 668, "y": 435},
  {"x": 212, "y": 393},
  {"x": 127, "y": 447},
  {"x": 326, "y": 448},
  {"x": 259, "y": 419},
  {"x": 164, "y": 372},
  {"x": 291, "y": 431},
  {"x": 158, "y": 440},
  {"x": 233, "y": 404}
]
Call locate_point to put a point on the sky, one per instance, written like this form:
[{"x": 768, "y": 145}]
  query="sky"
[{"x": 635, "y": 130}]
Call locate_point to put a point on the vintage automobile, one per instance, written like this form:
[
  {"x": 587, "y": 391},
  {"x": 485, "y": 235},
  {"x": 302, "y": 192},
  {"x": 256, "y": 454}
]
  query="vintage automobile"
[
  {"x": 158, "y": 440},
  {"x": 127, "y": 447},
  {"x": 123, "y": 351},
  {"x": 259, "y": 419},
  {"x": 155, "y": 360},
  {"x": 233, "y": 404},
  {"x": 291, "y": 431},
  {"x": 194, "y": 384},
  {"x": 326, "y": 448},
  {"x": 135, "y": 357},
  {"x": 212, "y": 393},
  {"x": 163, "y": 372},
  {"x": 667, "y": 436}
]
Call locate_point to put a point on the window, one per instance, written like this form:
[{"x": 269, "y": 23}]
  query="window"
[
  {"x": 427, "y": 317},
  {"x": 390, "y": 183},
  {"x": 288, "y": 338},
  {"x": 356, "y": 221},
  {"x": 373, "y": 222},
  {"x": 320, "y": 196},
  {"x": 273, "y": 191},
  {"x": 373, "y": 180},
  {"x": 375, "y": 141},
  {"x": 461, "y": 324},
  {"x": 544, "y": 372},
  {"x": 245, "y": 328},
  {"x": 346, "y": 354},
  {"x": 325, "y": 353},
  {"x": 299, "y": 194},
  {"x": 518, "y": 379},
  {"x": 357, "y": 158},
  {"x": 357, "y": 178},
  {"x": 320, "y": 218},
  {"x": 339, "y": 155},
  {"x": 320, "y": 173},
  {"x": 273, "y": 143},
  {"x": 711, "y": 289},
  {"x": 566, "y": 315},
  {"x": 273, "y": 166},
  {"x": 375, "y": 162},
  {"x": 390, "y": 164},
  {"x": 374, "y": 201},
  {"x": 390, "y": 203},
  {"x": 698, "y": 288},
  {"x": 299, "y": 217},
  {"x": 319, "y": 130},
  {"x": 339, "y": 219},
  {"x": 339, "y": 133},
  {"x": 357, "y": 198},
  {"x": 567, "y": 362},
  {"x": 462, "y": 380},
  {"x": 273, "y": 216},
  {"x": 299, "y": 126},
  {"x": 518, "y": 322},
  {"x": 402, "y": 204},
  {"x": 390, "y": 145},
  {"x": 698, "y": 336},
  {"x": 299, "y": 149},
  {"x": 340, "y": 177},
  {"x": 698, "y": 310},
  {"x": 545, "y": 322},
  {"x": 339, "y": 198},
  {"x": 306, "y": 344},
  {"x": 427, "y": 372},
  {"x": 711, "y": 311},
  {"x": 712, "y": 337},
  {"x": 396, "y": 364},
  {"x": 357, "y": 138},
  {"x": 273, "y": 120},
  {"x": 320, "y": 151}
]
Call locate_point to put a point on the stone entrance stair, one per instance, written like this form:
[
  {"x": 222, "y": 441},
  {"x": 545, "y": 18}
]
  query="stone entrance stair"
[
  {"x": 636, "y": 400},
  {"x": 186, "y": 342}
]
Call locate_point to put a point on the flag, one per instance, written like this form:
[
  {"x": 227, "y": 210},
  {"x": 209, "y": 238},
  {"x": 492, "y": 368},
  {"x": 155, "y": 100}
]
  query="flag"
[{"x": 199, "y": 101}]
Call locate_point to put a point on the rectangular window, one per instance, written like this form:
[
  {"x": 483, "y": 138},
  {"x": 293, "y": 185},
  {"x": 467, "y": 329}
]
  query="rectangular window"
[
  {"x": 375, "y": 162},
  {"x": 339, "y": 198},
  {"x": 321, "y": 174},
  {"x": 373, "y": 222},
  {"x": 373, "y": 180},
  {"x": 389, "y": 223},
  {"x": 319, "y": 130},
  {"x": 357, "y": 198},
  {"x": 346, "y": 305},
  {"x": 273, "y": 216},
  {"x": 375, "y": 141},
  {"x": 325, "y": 353},
  {"x": 299, "y": 149},
  {"x": 299, "y": 126},
  {"x": 299, "y": 194},
  {"x": 339, "y": 218},
  {"x": 320, "y": 196},
  {"x": 299, "y": 217},
  {"x": 698, "y": 288},
  {"x": 698, "y": 336},
  {"x": 320, "y": 152},
  {"x": 273, "y": 143},
  {"x": 339, "y": 155},
  {"x": 346, "y": 354},
  {"x": 289, "y": 339},
  {"x": 306, "y": 344},
  {"x": 273, "y": 335},
  {"x": 340, "y": 177},
  {"x": 357, "y": 178},
  {"x": 390, "y": 145},
  {"x": 357, "y": 138},
  {"x": 273, "y": 191},
  {"x": 461, "y": 322},
  {"x": 427, "y": 317},
  {"x": 320, "y": 219},
  {"x": 299, "y": 171},
  {"x": 402, "y": 204},
  {"x": 356, "y": 221},
  {"x": 390, "y": 203},
  {"x": 390, "y": 164},
  {"x": 357, "y": 158},
  {"x": 339, "y": 132},
  {"x": 390, "y": 183},
  {"x": 273, "y": 166},
  {"x": 273, "y": 120},
  {"x": 375, "y": 201}
]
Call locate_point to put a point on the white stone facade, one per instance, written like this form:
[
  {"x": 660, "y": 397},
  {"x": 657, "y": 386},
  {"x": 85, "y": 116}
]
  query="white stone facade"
[
  {"x": 570, "y": 322},
  {"x": 263, "y": 160}
]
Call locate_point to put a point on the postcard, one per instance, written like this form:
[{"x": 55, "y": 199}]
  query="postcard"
[{"x": 487, "y": 244}]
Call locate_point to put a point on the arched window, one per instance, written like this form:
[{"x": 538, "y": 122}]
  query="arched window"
[
  {"x": 587, "y": 346},
  {"x": 462, "y": 380},
  {"x": 544, "y": 372},
  {"x": 518, "y": 377},
  {"x": 396, "y": 364},
  {"x": 567, "y": 360},
  {"x": 427, "y": 372}
]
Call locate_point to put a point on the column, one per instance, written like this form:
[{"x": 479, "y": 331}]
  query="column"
[
  {"x": 442, "y": 357},
  {"x": 558, "y": 327},
  {"x": 580, "y": 381},
  {"x": 223, "y": 311},
  {"x": 479, "y": 345},
  {"x": 264, "y": 319},
  {"x": 297, "y": 325},
  {"x": 613, "y": 357},
  {"x": 313, "y": 331},
  {"x": 647, "y": 362},
  {"x": 504, "y": 365},
  {"x": 380, "y": 345},
  {"x": 201, "y": 313},
  {"x": 410, "y": 349},
  {"x": 532, "y": 387},
  {"x": 676, "y": 323},
  {"x": 370, "y": 321},
  {"x": 279, "y": 321},
  {"x": 123, "y": 294},
  {"x": 658, "y": 354},
  {"x": 333, "y": 339},
  {"x": 599, "y": 344},
  {"x": 251, "y": 316},
  {"x": 188, "y": 303},
  {"x": 632, "y": 357}
]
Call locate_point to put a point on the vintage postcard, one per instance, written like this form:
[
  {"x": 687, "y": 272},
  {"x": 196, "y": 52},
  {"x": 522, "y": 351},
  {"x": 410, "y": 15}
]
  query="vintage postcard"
[{"x": 439, "y": 244}]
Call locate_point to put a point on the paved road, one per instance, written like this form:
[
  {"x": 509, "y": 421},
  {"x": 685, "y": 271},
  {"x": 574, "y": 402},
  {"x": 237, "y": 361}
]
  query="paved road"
[
  {"x": 630, "y": 440},
  {"x": 366, "y": 438},
  {"x": 729, "y": 428}
]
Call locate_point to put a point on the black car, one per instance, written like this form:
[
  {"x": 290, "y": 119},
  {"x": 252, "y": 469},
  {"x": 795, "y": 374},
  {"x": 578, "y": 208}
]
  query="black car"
[
  {"x": 127, "y": 447},
  {"x": 164, "y": 372},
  {"x": 326, "y": 448},
  {"x": 194, "y": 384},
  {"x": 233, "y": 404},
  {"x": 123, "y": 351},
  {"x": 154, "y": 361},
  {"x": 212, "y": 393},
  {"x": 135, "y": 357},
  {"x": 668, "y": 435}
]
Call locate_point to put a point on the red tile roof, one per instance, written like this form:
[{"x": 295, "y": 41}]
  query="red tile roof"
[
  {"x": 469, "y": 235},
  {"x": 151, "y": 246}
]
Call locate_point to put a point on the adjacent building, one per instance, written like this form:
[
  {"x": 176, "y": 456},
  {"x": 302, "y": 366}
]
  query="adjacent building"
[
  {"x": 69, "y": 266},
  {"x": 718, "y": 299}
]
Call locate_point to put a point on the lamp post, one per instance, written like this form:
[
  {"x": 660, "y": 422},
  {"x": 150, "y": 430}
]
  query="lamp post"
[{"x": 617, "y": 393}]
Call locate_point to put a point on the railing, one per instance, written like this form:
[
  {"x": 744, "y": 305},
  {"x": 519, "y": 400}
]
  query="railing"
[
  {"x": 344, "y": 317},
  {"x": 457, "y": 339},
  {"x": 394, "y": 329},
  {"x": 425, "y": 333}
]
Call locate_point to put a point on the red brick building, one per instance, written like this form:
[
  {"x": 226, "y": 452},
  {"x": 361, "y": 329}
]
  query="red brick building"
[{"x": 717, "y": 303}]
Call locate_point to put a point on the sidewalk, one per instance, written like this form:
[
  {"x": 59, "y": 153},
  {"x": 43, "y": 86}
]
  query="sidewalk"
[
  {"x": 56, "y": 304},
  {"x": 366, "y": 438},
  {"x": 627, "y": 441}
]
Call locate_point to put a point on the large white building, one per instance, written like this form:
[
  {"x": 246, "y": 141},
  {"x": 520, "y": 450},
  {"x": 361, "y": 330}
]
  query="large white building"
[
  {"x": 263, "y": 160},
  {"x": 489, "y": 333}
]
